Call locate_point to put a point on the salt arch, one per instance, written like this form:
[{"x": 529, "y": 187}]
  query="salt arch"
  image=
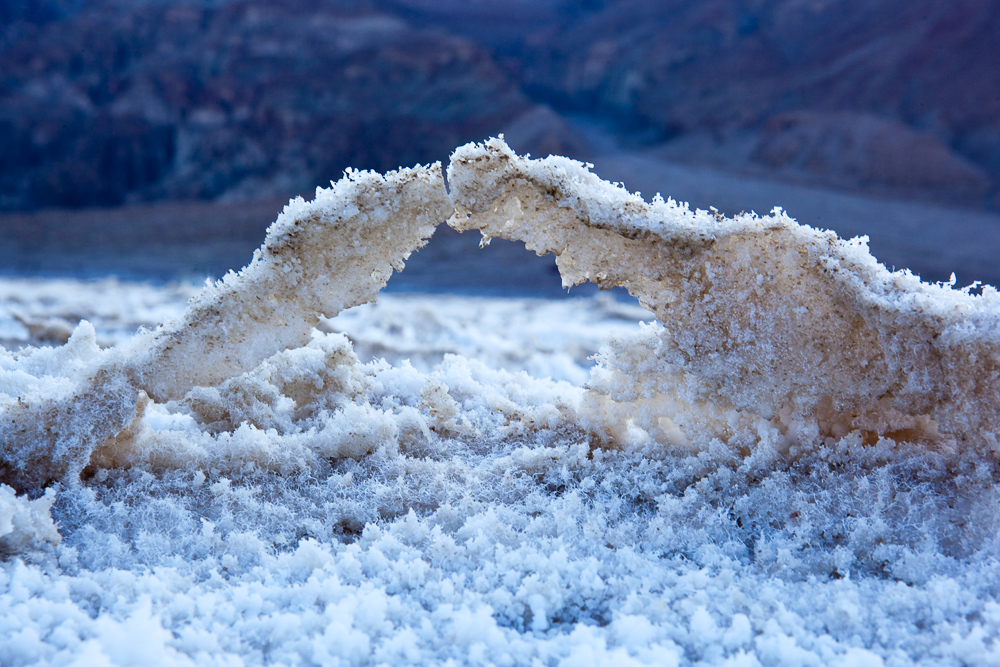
[{"x": 767, "y": 329}]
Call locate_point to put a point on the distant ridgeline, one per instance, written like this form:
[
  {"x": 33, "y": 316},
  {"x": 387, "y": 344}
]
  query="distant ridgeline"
[
  {"x": 111, "y": 102},
  {"x": 771, "y": 336}
]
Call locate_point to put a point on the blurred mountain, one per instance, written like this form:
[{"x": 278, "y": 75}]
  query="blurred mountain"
[
  {"x": 113, "y": 101},
  {"x": 900, "y": 97},
  {"x": 136, "y": 101}
]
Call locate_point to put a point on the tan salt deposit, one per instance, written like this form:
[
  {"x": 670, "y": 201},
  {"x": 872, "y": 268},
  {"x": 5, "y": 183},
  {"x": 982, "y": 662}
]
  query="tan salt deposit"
[
  {"x": 767, "y": 330},
  {"x": 761, "y": 318}
]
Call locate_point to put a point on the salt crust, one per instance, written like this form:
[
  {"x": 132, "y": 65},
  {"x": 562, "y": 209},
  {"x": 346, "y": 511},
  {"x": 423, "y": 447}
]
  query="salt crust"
[
  {"x": 762, "y": 318},
  {"x": 795, "y": 465},
  {"x": 24, "y": 522}
]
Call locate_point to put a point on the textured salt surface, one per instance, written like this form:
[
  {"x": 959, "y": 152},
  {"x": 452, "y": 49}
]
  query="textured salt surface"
[{"x": 452, "y": 486}]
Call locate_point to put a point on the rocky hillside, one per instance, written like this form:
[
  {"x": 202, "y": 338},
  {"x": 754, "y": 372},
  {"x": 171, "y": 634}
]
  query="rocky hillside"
[
  {"x": 148, "y": 101},
  {"x": 894, "y": 96},
  {"x": 109, "y": 101}
]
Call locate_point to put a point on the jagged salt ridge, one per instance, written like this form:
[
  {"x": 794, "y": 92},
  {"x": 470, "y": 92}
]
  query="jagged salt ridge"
[
  {"x": 319, "y": 257},
  {"x": 761, "y": 317}
]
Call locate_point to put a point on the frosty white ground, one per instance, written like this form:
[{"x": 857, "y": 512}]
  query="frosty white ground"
[{"x": 486, "y": 502}]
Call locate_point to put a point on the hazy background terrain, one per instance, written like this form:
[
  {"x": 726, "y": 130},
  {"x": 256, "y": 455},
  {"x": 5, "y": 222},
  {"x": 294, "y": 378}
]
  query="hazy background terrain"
[{"x": 157, "y": 140}]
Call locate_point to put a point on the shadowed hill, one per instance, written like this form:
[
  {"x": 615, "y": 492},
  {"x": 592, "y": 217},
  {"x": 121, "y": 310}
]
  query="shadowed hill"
[
  {"x": 249, "y": 99},
  {"x": 116, "y": 102}
]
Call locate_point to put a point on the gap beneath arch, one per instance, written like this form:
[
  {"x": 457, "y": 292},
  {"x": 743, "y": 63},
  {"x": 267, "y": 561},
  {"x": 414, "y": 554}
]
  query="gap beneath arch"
[{"x": 453, "y": 263}]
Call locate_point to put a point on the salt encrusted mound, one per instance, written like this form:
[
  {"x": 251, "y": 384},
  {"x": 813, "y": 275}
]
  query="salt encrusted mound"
[
  {"x": 762, "y": 318},
  {"x": 319, "y": 257}
]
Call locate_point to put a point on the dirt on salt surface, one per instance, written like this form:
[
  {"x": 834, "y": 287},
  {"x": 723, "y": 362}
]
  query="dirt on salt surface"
[{"x": 475, "y": 498}]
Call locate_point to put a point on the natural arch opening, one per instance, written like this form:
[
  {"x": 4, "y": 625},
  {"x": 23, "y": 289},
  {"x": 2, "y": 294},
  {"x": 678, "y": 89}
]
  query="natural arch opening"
[
  {"x": 459, "y": 263},
  {"x": 766, "y": 331}
]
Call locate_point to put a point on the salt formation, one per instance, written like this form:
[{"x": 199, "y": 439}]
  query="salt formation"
[
  {"x": 319, "y": 258},
  {"x": 794, "y": 465},
  {"x": 23, "y": 521},
  {"x": 768, "y": 330},
  {"x": 761, "y": 318}
]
